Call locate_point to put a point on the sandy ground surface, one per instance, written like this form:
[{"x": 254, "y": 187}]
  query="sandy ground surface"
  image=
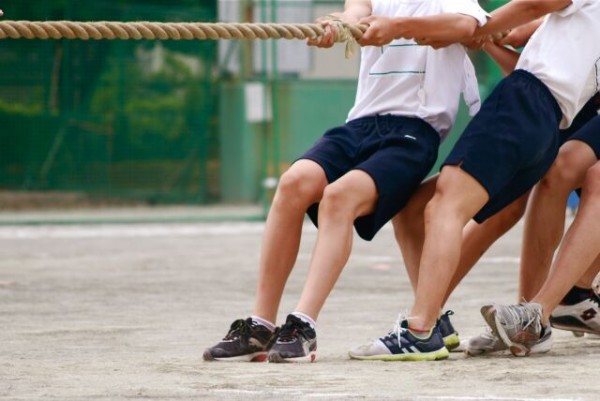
[{"x": 122, "y": 311}]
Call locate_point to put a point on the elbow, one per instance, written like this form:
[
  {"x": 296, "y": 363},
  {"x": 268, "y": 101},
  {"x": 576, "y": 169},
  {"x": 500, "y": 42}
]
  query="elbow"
[{"x": 465, "y": 28}]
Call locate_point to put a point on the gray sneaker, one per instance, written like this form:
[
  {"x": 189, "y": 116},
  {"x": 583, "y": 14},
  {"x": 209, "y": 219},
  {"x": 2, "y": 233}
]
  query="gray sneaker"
[
  {"x": 488, "y": 342},
  {"x": 519, "y": 326},
  {"x": 484, "y": 343}
]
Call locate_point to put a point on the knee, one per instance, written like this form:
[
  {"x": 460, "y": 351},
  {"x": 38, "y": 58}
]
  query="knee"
[
  {"x": 337, "y": 199},
  {"x": 562, "y": 177},
  {"x": 445, "y": 205},
  {"x": 297, "y": 187}
]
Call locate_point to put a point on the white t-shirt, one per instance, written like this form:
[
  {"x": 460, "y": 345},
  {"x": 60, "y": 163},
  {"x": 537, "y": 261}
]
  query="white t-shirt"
[
  {"x": 406, "y": 79},
  {"x": 564, "y": 53}
]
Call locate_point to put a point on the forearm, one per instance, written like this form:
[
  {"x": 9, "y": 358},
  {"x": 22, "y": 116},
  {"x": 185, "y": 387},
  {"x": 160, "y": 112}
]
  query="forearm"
[
  {"x": 354, "y": 10},
  {"x": 448, "y": 27},
  {"x": 519, "y": 12},
  {"x": 505, "y": 58}
]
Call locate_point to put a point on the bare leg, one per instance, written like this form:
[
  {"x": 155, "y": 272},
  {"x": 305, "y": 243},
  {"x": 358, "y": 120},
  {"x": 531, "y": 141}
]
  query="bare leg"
[
  {"x": 477, "y": 238},
  {"x": 544, "y": 224},
  {"x": 580, "y": 247},
  {"x": 587, "y": 280},
  {"x": 457, "y": 199},
  {"x": 299, "y": 187},
  {"x": 409, "y": 229},
  {"x": 343, "y": 201}
]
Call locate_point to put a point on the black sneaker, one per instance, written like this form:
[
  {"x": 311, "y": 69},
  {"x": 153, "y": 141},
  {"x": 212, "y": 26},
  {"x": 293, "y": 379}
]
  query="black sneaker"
[
  {"x": 245, "y": 341},
  {"x": 449, "y": 334},
  {"x": 582, "y": 317},
  {"x": 296, "y": 342}
]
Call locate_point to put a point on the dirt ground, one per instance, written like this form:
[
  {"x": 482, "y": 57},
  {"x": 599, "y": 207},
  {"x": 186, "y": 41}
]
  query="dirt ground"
[{"x": 124, "y": 311}]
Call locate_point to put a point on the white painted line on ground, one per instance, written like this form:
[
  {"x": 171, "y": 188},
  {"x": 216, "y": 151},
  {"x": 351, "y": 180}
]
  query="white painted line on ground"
[
  {"x": 128, "y": 231},
  {"x": 493, "y": 398},
  {"x": 304, "y": 395},
  {"x": 398, "y": 261}
]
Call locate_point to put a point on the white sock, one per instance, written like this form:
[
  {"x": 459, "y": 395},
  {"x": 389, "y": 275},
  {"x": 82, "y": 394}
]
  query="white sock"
[
  {"x": 306, "y": 319},
  {"x": 263, "y": 322}
]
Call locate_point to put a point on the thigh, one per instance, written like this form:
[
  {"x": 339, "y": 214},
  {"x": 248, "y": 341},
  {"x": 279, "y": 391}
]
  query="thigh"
[{"x": 337, "y": 150}]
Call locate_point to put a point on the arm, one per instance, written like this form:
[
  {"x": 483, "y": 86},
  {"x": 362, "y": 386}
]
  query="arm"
[
  {"x": 447, "y": 28},
  {"x": 505, "y": 58},
  {"x": 354, "y": 10},
  {"x": 519, "y": 36},
  {"x": 519, "y": 12}
]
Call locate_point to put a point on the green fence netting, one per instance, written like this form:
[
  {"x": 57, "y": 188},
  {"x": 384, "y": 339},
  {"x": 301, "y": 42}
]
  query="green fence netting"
[{"x": 111, "y": 118}]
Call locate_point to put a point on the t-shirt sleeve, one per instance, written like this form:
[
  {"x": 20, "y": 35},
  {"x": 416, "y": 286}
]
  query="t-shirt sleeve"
[
  {"x": 466, "y": 7},
  {"x": 574, "y": 7}
]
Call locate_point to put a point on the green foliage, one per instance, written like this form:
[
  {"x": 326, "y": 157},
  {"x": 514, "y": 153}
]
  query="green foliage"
[
  {"x": 21, "y": 109},
  {"x": 158, "y": 101}
]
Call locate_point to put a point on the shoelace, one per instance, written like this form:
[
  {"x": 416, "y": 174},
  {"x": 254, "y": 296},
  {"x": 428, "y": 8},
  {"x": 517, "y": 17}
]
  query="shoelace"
[
  {"x": 398, "y": 330},
  {"x": 524, "y": 314},
  {"x": 288, "y": 332},
  {"x": 239, "y": 329}
]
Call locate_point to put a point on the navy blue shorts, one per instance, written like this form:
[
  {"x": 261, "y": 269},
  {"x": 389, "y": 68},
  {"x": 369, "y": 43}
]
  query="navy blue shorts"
[
  {"x": 512, "y": 142},
  {"x": 397, "y": 152},
  {"x": 590, "y": 134},
  {"x": 588, "y": 112}
]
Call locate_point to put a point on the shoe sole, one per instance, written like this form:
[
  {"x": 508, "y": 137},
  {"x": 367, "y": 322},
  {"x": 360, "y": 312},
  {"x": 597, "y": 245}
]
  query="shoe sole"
[
  {"x": 480, "y": 352},
  {"x": 429, "y": 356},
  {"x": 572, "y": 324},
  {"x": 255, "y": 357},
  {"x": 277, "y": 358},
  {"x": 452, "y": 342}
]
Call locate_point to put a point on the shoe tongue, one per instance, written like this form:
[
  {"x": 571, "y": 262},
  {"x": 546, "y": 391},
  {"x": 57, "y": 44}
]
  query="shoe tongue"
[{"x": 404, "y": 324}]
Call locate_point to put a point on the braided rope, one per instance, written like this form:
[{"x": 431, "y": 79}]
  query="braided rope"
[{"x": 165, "y": 30}]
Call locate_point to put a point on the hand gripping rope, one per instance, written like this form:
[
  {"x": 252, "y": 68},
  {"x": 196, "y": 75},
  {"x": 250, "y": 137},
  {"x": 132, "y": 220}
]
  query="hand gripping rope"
[{"x": 177, "y": 31}]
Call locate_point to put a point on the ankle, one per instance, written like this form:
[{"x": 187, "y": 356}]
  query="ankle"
[
  {"x": 577, "y": 295},
  {"x": 263, "y": 322},
  {"x": 305, "y": 318}
]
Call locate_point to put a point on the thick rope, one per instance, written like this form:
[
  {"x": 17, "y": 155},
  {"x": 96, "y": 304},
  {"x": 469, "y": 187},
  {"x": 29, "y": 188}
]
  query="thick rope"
[{"x": 165, "y": 30}]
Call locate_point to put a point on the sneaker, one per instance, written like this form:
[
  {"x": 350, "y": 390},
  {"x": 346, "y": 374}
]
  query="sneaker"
[
  {"x": 519, "y": 327},
  {"x": 245, "y": 341},
  {"x": 583, "y": 317},
  {"x": 296, "y": 342},
  {"x": 485, "y": 343},
  {"x": 401, "y": 345},
  {"x": 449, "y": 334}
]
